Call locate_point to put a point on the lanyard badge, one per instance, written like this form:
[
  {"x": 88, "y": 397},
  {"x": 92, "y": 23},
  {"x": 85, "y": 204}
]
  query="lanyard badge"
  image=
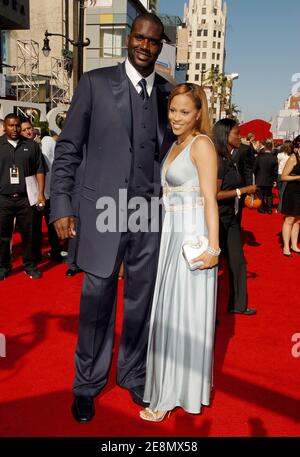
[{"x": 14, "y": 175}]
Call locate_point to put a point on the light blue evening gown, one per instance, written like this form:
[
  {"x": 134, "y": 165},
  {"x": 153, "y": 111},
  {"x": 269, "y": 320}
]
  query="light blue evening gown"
[{"x": 182, "y": 325}]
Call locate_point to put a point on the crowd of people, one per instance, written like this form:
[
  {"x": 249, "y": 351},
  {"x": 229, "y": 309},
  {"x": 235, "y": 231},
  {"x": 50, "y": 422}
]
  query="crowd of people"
[
  {"x": 127, "y": 128},
  {"x": 16, "y": 213},
  {"x": 277, "y": 166}
]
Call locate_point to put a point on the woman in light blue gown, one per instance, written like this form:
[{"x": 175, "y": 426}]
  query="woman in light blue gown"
[{"x": 181, "y": 336}]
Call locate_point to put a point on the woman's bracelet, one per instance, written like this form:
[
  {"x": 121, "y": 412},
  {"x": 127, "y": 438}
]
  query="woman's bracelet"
[
  {"x": 213, "y": 252},
  {"x": 238, "y": 193}
]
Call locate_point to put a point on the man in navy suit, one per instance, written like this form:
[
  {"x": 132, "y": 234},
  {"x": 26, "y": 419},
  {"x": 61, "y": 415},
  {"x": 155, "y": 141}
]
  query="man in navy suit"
[{"x": 119, "y": 114}]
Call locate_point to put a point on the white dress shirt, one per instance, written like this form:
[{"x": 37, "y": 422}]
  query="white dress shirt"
[
  {"x": 135, "y": 78},
  {"x": 14, "y": 143}
]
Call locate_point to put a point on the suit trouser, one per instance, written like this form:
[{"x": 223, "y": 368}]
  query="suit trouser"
[
  {"x": 97, "y": 317},
  {"x": 266, "y": 195},
  {"x": 232, "y": 247},
  {"x": 19, "y": 208},
  {"x": 239, "y": 215}
]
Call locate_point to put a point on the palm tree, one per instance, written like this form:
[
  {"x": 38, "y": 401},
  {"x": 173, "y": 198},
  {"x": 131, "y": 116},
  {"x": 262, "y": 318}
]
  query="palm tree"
[
  {"x": 221, "y": 86},
  {"x": 224, "y": 89},
  {"x": 233, "y": 112},
  {"x": 212, "y": 81}
]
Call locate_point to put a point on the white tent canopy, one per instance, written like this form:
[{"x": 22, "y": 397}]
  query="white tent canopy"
[{"x": 286, "y": 127}]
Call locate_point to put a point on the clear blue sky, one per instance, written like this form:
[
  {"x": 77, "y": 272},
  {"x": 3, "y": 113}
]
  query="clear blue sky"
[{"x": 263, "y": 46}]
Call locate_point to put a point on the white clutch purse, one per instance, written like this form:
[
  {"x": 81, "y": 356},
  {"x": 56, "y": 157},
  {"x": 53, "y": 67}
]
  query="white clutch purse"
[{"x": 192, "y": 249}]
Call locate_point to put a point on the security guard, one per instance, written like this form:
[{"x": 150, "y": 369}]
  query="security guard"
[{"x": 19, "y": 158}]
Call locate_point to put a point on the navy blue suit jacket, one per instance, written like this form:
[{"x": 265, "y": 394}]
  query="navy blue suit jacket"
[{"x": 99, "y": 119}]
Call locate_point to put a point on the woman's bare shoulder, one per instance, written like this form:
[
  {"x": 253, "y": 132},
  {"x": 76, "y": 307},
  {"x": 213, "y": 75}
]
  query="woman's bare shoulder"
[{"x": 202, "y": 144}]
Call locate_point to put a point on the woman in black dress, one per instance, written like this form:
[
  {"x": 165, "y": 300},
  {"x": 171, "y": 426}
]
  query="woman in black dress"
[
  {"x": 226, "y": 135},
  {"x": 291, "y": 201}
]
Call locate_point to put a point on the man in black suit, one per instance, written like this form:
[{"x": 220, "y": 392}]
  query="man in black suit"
[
  {"x": 120, "y": 115},
  {"x": 266, "y": 174},
  {"x": 251, "y": 142},
  {"x": 244, "y": 161}
]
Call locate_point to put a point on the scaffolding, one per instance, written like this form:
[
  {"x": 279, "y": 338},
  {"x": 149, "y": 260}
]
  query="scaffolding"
[
  {"x": 60, "y": 83},
  {"x": 27, "y": 71}
]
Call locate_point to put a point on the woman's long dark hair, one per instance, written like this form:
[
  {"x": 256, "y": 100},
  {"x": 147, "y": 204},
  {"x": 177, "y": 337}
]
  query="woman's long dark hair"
[
  {"x": 221, "y": 133},
  {"x": 296, "y": 143}
]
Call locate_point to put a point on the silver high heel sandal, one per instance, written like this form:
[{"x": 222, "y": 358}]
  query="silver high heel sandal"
[{"x": 153, "y": 416}]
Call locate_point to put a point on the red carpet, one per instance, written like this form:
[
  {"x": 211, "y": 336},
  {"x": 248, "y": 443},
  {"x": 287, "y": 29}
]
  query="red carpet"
[{"x": 257, "y": 380}]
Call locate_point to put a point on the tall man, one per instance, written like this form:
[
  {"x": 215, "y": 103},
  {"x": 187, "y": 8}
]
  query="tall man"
[
  {"x": 266, "y": 174},
  {"x": 120, "y": 115},
  {"x": 19, "y": 158}
]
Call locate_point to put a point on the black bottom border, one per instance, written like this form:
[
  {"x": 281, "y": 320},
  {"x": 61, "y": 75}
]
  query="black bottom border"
[{"x": 143, "y": 446}]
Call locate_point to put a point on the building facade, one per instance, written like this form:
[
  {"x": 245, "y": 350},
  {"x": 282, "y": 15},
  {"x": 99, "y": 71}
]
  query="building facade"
[
  {"x": 50, "y": 17},
  {"x": 14, "y": 15},
  {"x": 206, "y": 24},
  {"x": 201, "y": 51},
  {"x": 286, "y": 125},
  {"x": 34, "y": 75},
  {"x": 107, "y": 24}
]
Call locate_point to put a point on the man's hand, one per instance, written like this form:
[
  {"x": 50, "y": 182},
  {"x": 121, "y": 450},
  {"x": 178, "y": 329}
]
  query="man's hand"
[{"x": 65, "y": 227}]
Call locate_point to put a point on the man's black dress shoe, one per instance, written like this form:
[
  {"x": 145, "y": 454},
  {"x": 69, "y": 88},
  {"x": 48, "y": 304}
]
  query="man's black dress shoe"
[
  {"x": 72, "y": 272},
  {"x": 137, "y": 395},
  {"x": 56, "y": 257},
  {"x": 247, "y": 312},
  {"x": 83, "y": 409},
  {"x": 33, "y": 272}
]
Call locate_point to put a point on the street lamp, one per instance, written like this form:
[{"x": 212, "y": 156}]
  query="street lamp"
[
  {"x": 46, "y": 48},
  {"x": 231, "y": 78},
  {"x": 78, "y": 44}
]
